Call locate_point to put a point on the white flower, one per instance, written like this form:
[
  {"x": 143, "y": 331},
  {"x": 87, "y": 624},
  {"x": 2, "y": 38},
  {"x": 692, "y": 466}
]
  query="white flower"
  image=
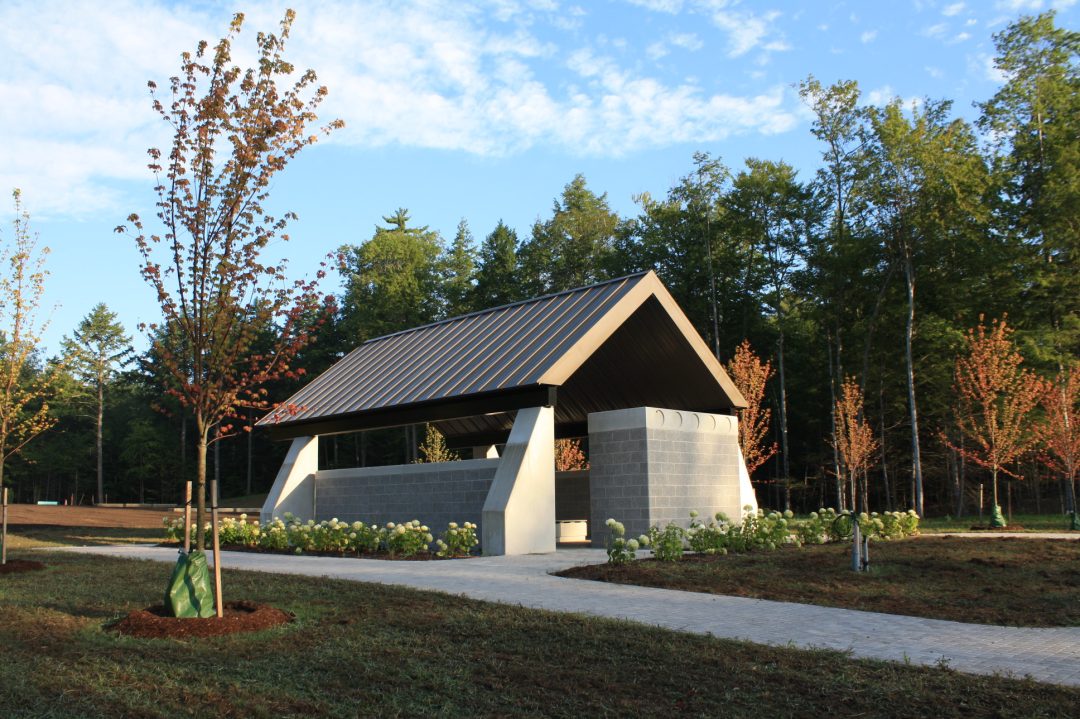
[
  {"x": 453, "y": 525},
  {"x": 632, "y": 545}
]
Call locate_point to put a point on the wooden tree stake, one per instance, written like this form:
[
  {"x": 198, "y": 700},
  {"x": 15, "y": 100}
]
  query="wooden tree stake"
[
  {"x": 3, "y": 530},
  {"x": 187, "y": 518},
  {"x": 217, "y": 547}
]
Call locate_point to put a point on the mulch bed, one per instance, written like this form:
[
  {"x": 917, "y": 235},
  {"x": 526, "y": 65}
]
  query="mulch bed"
[
  {"x": 14, "y": 566},
  {"x": 242, "y": 616}
]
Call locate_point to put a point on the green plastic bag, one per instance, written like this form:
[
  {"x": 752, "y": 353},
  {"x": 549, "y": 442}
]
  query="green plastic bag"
[{"x": 190, "y": 593}]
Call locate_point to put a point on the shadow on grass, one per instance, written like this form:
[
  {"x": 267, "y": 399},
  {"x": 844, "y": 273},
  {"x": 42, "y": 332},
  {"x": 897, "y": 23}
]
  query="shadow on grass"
[{"x": 28, "y": 536}]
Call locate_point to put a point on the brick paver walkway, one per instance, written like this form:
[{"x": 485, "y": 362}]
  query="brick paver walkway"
[{"x": 1051, "y": 655}]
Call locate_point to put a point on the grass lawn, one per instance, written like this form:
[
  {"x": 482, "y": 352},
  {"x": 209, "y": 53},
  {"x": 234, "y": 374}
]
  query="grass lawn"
[
  {"x": 1022, "y": 582},
  {"x": 1028, "y": 523},
  {"x": 362, "y": 650}
]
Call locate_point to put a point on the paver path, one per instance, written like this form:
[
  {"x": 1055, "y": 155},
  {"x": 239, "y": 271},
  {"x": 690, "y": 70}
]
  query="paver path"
[{"x": 1051, "y": 655}]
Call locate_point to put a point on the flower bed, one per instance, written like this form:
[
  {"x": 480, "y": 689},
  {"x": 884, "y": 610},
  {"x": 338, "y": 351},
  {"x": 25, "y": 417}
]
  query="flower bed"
[
  {"x": 333, "y": 537},
  {"x": 758, "y": 531}
]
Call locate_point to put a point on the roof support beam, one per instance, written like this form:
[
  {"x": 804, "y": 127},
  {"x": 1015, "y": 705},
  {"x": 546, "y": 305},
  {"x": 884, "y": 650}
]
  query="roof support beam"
[{"x": 416, "y": 413}]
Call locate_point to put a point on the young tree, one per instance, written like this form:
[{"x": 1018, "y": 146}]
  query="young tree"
[
  {"x": 995, "y": 398},
  {"x": 751, "y": 375},
  {"x": 434, "y": 449},
  {"x": 97, "y": 349},
  {"x": 568, "y": 456},
  {"x": 854, "y": 440},
  {"x": 24, "y": 407},
  {"x": 233, "y": 131},
  {"x": 1061, "y": 433}
]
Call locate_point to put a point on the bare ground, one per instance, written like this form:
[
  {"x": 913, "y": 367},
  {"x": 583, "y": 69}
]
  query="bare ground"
[{"x": 127, "y": 518}]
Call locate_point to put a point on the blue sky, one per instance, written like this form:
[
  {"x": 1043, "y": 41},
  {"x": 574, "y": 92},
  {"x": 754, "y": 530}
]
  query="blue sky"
[{"x": 453, "y": 109}]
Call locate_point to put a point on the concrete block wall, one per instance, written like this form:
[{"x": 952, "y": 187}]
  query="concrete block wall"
[
  {"x": 572, "y": 495},
  {"x": 653, "y": 466},
  {"x": 436, "y": 494}
]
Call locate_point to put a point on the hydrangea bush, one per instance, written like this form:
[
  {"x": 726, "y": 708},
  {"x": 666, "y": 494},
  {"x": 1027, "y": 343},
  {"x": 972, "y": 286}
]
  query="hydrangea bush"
[
  {"x": 758, "y": 531},
  {"x": 334, "y": 536}
]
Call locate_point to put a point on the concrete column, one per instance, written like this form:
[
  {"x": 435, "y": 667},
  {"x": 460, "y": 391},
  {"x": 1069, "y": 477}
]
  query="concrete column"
[
  {"x": 487, "y": 452},
  {"x": 519, "y": 513},
  {"x": 294, "y": 486}
]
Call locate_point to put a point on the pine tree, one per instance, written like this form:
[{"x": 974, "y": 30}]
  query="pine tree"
[{"x": 95, "y": 352}]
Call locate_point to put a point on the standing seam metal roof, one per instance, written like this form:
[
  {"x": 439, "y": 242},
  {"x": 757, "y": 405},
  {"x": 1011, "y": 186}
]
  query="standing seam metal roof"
[{"x": 521, "y": 345}]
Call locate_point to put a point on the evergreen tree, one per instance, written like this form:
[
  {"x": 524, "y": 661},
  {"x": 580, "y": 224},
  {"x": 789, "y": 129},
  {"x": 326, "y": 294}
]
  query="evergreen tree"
[
  {"x": 391, "y": 281},
  {"x": 95, "y": 352},
  {"x": 497, "y": 282},
  {"x": 574, "y": 248},
  {"x": 459, "y": 268}
]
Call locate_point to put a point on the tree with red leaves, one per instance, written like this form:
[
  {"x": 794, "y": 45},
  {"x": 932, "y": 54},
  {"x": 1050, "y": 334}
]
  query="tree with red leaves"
[
  {"x": 751, "y": 375},
  {"x": 232, "y": 131},
  {"x": 996, "y": 397},
  {"x": 855, "y": 441},
  {"x": 1061, "y": 432},
  {"x": 569, "y": 457}
]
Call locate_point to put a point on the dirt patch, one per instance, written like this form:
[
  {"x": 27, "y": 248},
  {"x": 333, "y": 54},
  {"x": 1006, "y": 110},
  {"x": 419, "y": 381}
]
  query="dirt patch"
[
  {"x": 50, "y": 516},
  {"x": 242, "y": 616},
  {"x": 14, "y": 566}
]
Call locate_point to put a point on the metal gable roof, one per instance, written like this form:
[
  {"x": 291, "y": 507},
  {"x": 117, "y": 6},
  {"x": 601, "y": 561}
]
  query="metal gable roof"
[{"x": 494, "y": 353}]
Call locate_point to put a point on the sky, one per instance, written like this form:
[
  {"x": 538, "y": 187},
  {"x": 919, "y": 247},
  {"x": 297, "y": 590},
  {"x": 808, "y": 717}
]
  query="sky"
[{"x": 453, "y": 109}]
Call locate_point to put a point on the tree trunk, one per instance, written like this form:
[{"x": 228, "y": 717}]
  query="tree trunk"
[
  {"x": 100, "y": 424},
  {"x": 916, "y": 461},
  {"x": 200, "y": 485},
  {"x": 786, "y": 466},
  {"x": 832, "y": 429}
]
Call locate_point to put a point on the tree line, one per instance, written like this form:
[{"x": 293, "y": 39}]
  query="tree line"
[{"x": 869, "y": 274}]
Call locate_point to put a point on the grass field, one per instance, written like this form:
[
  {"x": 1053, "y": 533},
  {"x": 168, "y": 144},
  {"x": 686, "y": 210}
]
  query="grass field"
[
  {"x": 1021, "y": 582},
  {"x": 362, "y": 650},
  {"x": 1019, "y": 522}
]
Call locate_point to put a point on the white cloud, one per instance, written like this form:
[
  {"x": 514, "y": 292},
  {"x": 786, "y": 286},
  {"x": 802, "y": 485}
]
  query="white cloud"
[
  {"x": 868, "y": 36},
  {"x": 1027, "y": 6},
  {"x": 959, "y": 37},
  {"x": 934, "y": 72},
  {"x": 667, "y": 6},
  {"x": 936, "y": 31},
  {"x": 953, "y": 9},
  {"x": 745, "y": 30},
  {"x": 656, "y": 50},
  {"x": 76, "y": 117},
  {"x": 687, "y": 41}
]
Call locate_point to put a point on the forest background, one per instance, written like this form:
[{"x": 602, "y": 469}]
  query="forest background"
[{"x": 916, "y": 224}]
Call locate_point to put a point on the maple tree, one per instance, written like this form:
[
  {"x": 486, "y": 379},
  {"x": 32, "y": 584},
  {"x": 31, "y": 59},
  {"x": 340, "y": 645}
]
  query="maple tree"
[
  {"x": 1061, "y": 432},
  {"x": 233, "y": 131},
  {"x": 569, "y": 456},
  {"x": 751, "y": 375},
  {"x": 855, "y": 441},
  {"x": 996, "y": 397}
]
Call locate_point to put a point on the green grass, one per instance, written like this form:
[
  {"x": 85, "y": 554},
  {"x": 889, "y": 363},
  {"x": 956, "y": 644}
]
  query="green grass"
[
  {"x": 248, "y": 500},
  {"x": 1023, "y": 582},
  {"x": 363, "y": 650},
  {"x": 26, "y": 537},
  {"x": 1028, "y": 522}
]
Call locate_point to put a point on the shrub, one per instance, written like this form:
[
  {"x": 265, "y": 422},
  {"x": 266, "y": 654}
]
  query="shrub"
[
  {"x": 621, "y": 550},
  {"x": 239, "y": 531},
  {"x": 667, "y": 543},
  {"x": 406, "y": 539},
  {"x": 457, "y": 541},
  {"x": 711, "y": 538}
]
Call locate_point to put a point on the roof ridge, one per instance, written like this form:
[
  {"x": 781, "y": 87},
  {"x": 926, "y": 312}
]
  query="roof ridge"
[{"x": 497, "y": 308}]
